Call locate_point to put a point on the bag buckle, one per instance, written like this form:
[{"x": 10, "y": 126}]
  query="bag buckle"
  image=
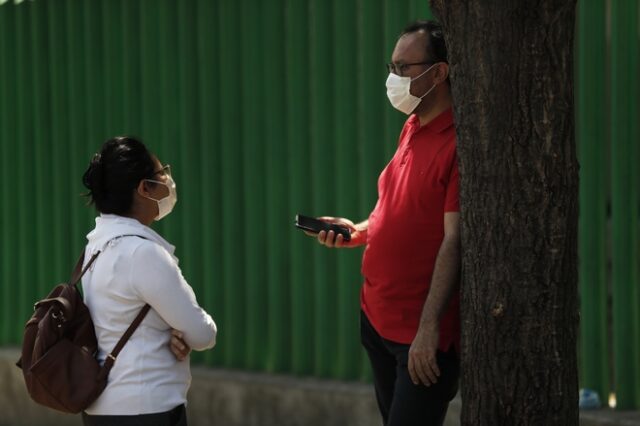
[{"x": 59, "y": 317}]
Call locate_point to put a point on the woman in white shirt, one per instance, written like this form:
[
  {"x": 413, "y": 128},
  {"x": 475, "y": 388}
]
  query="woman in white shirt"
[{"x": 149, "y": 381}]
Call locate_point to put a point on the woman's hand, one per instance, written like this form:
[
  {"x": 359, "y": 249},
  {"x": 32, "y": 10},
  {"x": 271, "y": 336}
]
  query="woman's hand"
[{"x": 178, "y": 346}]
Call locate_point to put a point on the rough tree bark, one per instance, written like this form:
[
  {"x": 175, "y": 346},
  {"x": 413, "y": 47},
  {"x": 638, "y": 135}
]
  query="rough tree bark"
[{"x": 511, "y": 68}]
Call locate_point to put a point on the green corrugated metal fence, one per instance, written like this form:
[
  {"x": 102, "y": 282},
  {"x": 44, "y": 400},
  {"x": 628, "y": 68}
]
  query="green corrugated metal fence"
[
  {"x": 591, "y": 125},
  {"x": 625, "y": 199},
  {"x": 608, "y": 110},
  {"x": 265, "y": 109}
]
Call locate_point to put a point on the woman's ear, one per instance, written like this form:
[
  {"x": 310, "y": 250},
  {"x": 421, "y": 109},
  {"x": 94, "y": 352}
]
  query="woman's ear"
[{"x": 143, "y": 189}]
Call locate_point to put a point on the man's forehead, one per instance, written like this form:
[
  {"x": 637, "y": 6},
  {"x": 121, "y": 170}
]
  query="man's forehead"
[{"x": 412, "y": 46}]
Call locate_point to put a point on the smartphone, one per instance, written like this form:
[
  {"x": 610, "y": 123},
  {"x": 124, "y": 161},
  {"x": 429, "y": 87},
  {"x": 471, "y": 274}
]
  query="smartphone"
[{"x": 314, "y": 225}]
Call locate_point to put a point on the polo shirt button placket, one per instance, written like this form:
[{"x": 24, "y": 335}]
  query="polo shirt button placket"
[{"x": 405, "y": 153}]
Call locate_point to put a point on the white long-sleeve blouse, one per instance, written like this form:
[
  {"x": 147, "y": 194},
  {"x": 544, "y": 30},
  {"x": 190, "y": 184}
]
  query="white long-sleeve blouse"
[{"x": 131, "y": 271}]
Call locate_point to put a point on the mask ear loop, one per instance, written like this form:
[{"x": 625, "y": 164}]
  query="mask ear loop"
[
  {"x": 426, "y": 71},
  {"x": 161, "y": 183},
  {"x": 428, "y": 91},
  {"x": 432, "y": 87}
]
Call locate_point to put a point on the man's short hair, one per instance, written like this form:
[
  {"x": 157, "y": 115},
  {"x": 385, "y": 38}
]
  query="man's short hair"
[{"x": 436, "y": 47}]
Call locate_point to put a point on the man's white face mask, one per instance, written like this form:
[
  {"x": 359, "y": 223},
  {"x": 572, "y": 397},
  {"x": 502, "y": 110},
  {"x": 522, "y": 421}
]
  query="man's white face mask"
[{"x": 398, "y": 92}]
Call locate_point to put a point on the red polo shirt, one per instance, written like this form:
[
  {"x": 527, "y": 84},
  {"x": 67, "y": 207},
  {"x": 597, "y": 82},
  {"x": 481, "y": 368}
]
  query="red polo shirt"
[{"x": 406, "y": 229}]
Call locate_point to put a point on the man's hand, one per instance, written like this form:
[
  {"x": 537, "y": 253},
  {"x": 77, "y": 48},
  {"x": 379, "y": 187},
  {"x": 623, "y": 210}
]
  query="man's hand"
[
  {"x": 330, "y": 239},
  {"x": 423, "y": 365},
  {"x": 178, "y": 346}
]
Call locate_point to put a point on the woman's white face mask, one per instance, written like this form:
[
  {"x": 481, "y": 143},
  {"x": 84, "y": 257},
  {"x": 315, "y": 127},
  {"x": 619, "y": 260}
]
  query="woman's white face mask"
[
  {"x": 165, "y": 205},
  {"x": 399, "y": 94}
]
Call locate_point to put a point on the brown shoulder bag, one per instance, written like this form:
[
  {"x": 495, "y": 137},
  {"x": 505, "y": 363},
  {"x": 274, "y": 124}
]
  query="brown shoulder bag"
[{"x": 59, "y": 349}]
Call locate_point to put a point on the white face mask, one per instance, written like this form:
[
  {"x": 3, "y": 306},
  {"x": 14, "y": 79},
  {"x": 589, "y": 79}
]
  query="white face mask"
[
  {"x": 398, "y": 92},
  {"x": 165, "y": 205}
]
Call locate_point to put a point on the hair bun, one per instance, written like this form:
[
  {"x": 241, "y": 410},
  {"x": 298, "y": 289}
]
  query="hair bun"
[{"x": 92, "y": 178}]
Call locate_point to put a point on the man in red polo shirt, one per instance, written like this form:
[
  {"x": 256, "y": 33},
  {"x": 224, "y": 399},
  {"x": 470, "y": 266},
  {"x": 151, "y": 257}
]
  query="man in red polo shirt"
[{"x": 410, "y": 323}]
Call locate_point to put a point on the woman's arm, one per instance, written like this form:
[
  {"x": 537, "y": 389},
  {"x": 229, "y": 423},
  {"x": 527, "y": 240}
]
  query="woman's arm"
[{"x": 158, "y": 281}]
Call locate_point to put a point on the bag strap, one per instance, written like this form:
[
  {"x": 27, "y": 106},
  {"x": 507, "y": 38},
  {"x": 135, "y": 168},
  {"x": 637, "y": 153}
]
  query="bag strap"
[
  {"x": 77, "y": 274},
  {"x": 111, "y": 358},
  {"x": 78, "y": 271}
]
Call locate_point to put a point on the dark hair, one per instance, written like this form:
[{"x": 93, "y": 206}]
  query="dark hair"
[
  {"x": 436, "y": 47},
  {"x": 115, "y": 172}
]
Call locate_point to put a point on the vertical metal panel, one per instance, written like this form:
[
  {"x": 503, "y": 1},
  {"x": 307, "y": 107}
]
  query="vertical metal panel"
[
  {"x": 61, "y": 246},
  {"x": 253, "y": 191},
  {"x": 94, "y": 87},
  {"x": 345, "y": 157},
  {"x": 187, "y": 138},
  {"x": 592, "y": 149},
  {"x": 75, "y": 122},
  {"x": 322, "y": 145},
  {"x": 305, "y": 337},
  {"x": 42, "y": 197},
  {"x": 233, "y": 214},
  {"x": 166, "y": 145},
  {"x": 7, "y": 210},
  {"x": 396, "y": 17},
  {"x": 131, "y": 103},
  {"x": 22, "y": 159},
  {"x": 7, "y": 326},
  {"x": 209, "y": 165},
  {"x": 372, "y": 103},
  {"x": 279, "y": 211},
  {"x": 419, "y": 9},
  {"x": 150, "y": 51},
  {"x": 625, "y": 199},
  {"x": 114, "y": 66}
]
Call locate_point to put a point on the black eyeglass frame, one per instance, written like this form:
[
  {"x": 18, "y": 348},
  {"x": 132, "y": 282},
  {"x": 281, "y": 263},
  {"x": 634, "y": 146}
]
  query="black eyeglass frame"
[{"x": 399, "y": 69}]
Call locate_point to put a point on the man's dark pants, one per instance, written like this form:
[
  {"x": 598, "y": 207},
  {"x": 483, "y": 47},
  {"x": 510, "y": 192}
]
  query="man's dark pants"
[{"x": 401, "y": 402}]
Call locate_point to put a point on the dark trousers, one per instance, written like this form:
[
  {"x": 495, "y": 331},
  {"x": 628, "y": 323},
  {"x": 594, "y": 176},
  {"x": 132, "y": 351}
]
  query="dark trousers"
[
  {"x": 175, "y": 417},
  {"x": 402, "y": 403}
]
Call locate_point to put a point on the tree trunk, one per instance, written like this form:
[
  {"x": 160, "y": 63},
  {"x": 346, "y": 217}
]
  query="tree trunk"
[{"x": 511, "y": 68}]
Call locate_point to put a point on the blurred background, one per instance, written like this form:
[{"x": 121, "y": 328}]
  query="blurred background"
[{"x": 265, "y": 109}]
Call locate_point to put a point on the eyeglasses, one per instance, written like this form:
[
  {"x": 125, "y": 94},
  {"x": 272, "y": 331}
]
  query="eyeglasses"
[
  {"x": 400, "y": 69},
  {"x": 165, "y": 170}
]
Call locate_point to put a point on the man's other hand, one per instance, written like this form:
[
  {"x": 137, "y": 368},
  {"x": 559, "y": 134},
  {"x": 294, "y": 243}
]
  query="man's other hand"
[{"x": 423, "y": 365}]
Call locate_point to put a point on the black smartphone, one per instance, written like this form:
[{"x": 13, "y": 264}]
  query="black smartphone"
[{"x": 314, "y": 225}]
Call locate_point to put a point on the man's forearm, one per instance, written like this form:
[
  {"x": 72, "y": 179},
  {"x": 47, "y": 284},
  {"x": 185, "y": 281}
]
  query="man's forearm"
[{"x": 444, "y": 282}]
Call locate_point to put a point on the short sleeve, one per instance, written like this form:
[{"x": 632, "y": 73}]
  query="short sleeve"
[{"x": 452, "y": 202}]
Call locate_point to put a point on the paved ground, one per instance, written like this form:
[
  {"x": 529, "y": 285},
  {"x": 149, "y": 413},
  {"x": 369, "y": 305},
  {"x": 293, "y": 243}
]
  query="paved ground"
[
  {"x": 609, "y": 418},
  {"x": 234, "y": 398}
]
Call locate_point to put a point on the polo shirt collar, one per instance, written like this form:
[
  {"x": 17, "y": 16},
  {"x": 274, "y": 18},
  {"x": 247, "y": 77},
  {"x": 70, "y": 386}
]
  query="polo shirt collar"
[{"x": 439, "y": 124}]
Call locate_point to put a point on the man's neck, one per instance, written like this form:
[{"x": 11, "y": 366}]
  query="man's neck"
[{"x": 440, "y": 105}]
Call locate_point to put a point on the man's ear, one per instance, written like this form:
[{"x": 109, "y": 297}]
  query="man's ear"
[{"x": 442, "y": 73}]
